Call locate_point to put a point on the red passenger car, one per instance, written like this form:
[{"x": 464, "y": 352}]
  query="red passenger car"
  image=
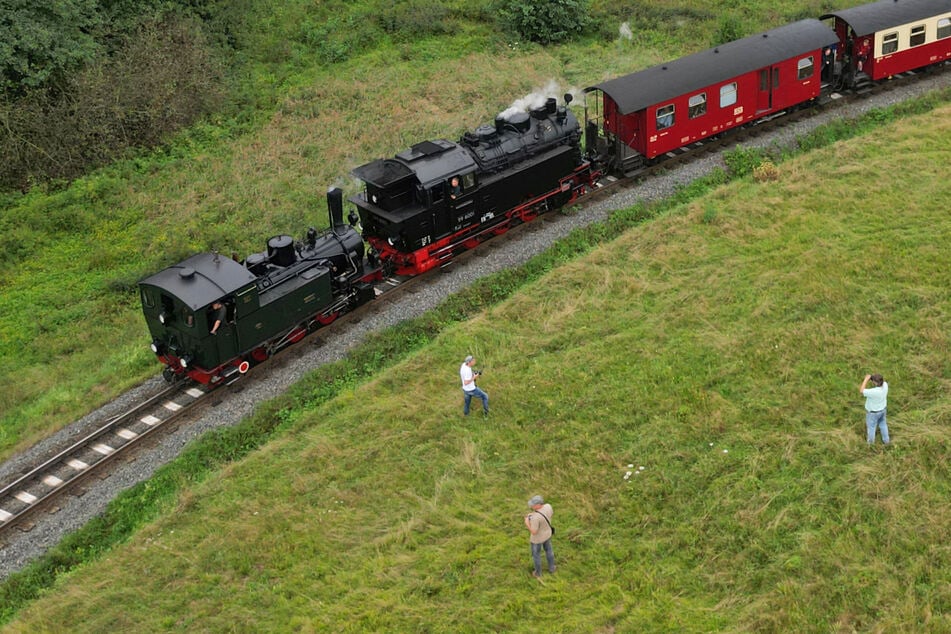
[
  {"x": 892, "y": 36},
  {"x": 652, "y": 112}
]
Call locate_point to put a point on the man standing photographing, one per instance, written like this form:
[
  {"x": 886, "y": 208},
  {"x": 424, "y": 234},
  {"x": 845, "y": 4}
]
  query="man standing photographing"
[
  {"x": 469, "y": 387},
  {"x": 538, "y": 523},
  {"x": 876, "y": 400}
]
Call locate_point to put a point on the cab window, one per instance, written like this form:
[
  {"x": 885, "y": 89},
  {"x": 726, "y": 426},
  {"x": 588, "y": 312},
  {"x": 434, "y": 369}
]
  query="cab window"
[
  {"x": 188, "y": 318},
  {"x": 147, "y": 298}
]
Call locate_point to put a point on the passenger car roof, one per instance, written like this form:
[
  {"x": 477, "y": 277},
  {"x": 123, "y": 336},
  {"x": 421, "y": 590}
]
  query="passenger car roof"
[
  {"x": 688, "y": 74},
  {"x": 201, "y": 279},
  {"x": 871, "y": 18}
]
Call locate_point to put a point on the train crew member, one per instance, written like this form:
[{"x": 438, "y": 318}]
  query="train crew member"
[
  {"x": 220, "y": 314},
  {"x": 538, "y": 523},
  {"x": 469, "y": 387},
  {"x": 875, "y": 404},
  {"x": 454, "y": 188}
]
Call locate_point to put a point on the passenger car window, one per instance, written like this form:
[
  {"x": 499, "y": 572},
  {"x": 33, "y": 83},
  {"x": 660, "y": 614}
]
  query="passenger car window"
[
  {"x": 665, "y": 117},
  {"x": 944, "y": 28},
  {"x": 727, "y": 95},
  {"x": 890, "y": 43},
  {"x": 917, "y": 35},
  {"x": 806, "y": 67},
  {"x": 697, "y": 106}
]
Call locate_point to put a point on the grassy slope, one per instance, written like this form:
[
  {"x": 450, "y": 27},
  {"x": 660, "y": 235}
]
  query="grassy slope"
[
  {"x": 71, "y": 257},
  {"x": 745, "y": 320}
]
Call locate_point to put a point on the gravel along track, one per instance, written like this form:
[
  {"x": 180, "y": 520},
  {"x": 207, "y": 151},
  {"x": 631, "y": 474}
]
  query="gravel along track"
[{"x": 21, "y": 547}]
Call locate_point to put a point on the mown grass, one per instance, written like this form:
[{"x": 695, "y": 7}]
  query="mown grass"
[
  {"x": 317, "y": 90},
  {"x": 718, "y": 346}
]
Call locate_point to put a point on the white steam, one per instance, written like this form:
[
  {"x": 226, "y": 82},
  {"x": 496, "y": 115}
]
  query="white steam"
[{"x": 537, "y": 99}]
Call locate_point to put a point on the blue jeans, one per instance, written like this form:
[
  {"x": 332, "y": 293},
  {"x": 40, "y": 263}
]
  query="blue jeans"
[
  {"x": 873, "y": 421},
  {"x": 468, "y": 400},
  {"x": 537, "y": 556}
]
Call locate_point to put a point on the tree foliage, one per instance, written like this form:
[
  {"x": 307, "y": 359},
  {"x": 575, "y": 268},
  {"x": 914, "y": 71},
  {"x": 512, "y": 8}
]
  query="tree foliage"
[
  {"x": 161, "y": 78},
  {"x": 545, "y": 21},
  {"x": 81, "y": 81},
  {"x": 41, "y": 42}
]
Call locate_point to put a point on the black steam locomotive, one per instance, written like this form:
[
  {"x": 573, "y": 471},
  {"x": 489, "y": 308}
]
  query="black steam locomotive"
[
  {"x": 437, "y": 198},
  {"x": 267, "y": 302}
]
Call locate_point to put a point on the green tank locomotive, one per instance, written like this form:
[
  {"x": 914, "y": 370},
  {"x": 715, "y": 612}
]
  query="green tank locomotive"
[{"x": 211, "y": 317}]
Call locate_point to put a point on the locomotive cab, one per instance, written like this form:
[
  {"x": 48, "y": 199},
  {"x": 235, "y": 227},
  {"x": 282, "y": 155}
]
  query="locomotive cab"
[{"x": 180, "y": 317}]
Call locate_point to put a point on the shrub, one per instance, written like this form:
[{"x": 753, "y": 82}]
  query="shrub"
[
  {"x": 544, "y": 21},
  {"x": 163, "y": 77},
  {"x": 730, "y": 29},
  {"x": 765, "y": 171},
  {"x": 42, "y": 42},
  {"x": 743, "y": 160},
  {"x": 413, "y": 19}
]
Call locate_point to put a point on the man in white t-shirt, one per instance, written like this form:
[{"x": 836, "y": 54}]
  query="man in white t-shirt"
[
  {"x": 876, "y": 400},
  {"x": 469, "y": 387}
]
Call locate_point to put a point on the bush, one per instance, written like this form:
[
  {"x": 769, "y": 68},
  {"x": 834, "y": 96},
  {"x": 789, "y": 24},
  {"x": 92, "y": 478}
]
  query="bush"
[
  {"x": 413, "y": 19},
  {"x": 742, "y": 161},
  {"x": 163, "y": 77},
  {"x": 544, "y": 21},
  {"x": 42, "y": 42},
  {"x": 729, "y": 30}
]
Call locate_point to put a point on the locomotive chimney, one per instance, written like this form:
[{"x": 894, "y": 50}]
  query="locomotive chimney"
[{"x": 335, "y": 205}]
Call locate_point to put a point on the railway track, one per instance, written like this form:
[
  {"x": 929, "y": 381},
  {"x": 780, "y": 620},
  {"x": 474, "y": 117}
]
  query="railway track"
[{"x": 41, "y": 485}]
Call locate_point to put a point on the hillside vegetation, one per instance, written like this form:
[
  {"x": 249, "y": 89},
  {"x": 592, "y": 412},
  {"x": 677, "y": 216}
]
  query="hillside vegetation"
[{"x": 719, "y": 347}]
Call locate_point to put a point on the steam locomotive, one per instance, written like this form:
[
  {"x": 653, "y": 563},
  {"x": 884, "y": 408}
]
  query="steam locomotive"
[
  {"x": 270, "y": 300},
  {"x": 437, "y": 198}
]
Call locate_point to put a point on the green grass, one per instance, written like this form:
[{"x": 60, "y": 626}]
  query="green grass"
[{"x": 719, "y": 346}]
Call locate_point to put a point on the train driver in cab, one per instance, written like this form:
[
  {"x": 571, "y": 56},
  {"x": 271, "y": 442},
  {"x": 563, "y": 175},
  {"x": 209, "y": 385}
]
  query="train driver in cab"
[
  {"x": 219, "y": 314},
  {"x": 455, "y": 189}
]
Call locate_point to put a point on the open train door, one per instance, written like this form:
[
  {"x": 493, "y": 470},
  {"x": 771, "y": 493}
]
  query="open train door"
[{"x": 768, "y": 81}]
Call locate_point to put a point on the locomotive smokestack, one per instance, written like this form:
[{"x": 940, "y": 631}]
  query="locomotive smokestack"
[{"x": 335, "y": 206}]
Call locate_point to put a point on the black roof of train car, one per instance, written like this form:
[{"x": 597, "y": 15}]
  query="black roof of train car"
[
  {"x": 201, "y": 279},
  {"x": 429, "y": 161},
  {"x": 871, "y": 18},
  {"x": 663, "y": 82}
]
